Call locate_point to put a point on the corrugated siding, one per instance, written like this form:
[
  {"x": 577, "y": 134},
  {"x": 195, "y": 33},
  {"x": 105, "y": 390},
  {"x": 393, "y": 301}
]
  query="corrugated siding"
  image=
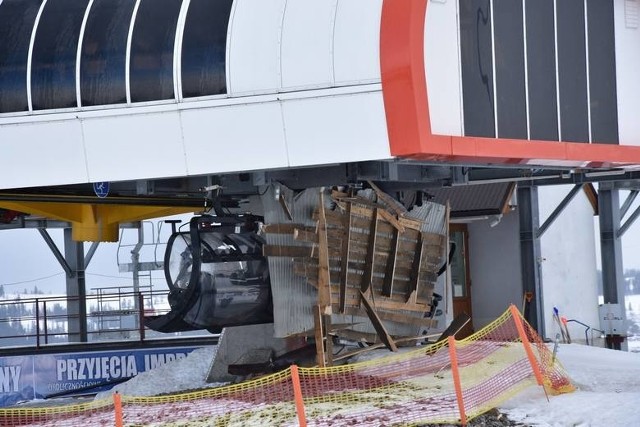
[{"x": 470, "y": 200}]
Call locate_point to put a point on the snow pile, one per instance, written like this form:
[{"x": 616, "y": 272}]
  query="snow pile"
[
  {"x": 178, "y": 375},
  {"x": 608, "y": 394}
]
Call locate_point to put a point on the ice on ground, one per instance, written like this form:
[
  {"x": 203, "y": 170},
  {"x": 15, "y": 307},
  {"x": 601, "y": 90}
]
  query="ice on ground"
[{"x": 189, "y": 373}]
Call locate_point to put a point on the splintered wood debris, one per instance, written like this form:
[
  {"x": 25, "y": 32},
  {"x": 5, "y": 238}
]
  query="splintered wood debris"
[{"x": 365, "y": 258}]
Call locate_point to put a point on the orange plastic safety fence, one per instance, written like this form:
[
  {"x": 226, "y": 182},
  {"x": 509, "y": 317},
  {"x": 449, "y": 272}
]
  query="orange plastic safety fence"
[{"x": 409, "y": 388}]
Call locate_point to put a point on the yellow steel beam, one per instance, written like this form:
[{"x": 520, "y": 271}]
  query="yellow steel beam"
[{"x": 95, "y": 222}]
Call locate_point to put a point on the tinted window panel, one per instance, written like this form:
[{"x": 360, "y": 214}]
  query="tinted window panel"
[
  {"x": 53, "y": 67},
  {"x": 602, "y": 72},
  {"x": 572, "y": 71},
  {"x": 16, "y": 23},
  {"x": 204, "y": 46},
  {"x": 152, "y": 50},
  {"x": 477, "y": 67},
  {"x": 104, "y": 49},
  {"x": 541, "y": 64},
  {"x": 510, "y": 85}
]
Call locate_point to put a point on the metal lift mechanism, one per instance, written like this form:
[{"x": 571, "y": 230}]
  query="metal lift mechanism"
[{"x": 217, "y": 276}]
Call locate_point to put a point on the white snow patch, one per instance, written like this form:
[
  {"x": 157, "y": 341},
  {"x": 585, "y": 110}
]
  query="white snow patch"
[{"x": 608, "y": 394}]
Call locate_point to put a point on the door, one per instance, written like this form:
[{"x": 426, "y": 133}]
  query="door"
[{"x": 460, "y": 281}]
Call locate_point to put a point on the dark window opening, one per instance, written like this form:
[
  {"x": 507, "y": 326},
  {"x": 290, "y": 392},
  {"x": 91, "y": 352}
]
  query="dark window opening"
[
  {"x": 16, "y": 24},
  {"x": 53, "y": 67},
  {"x": 153, "y": 39},
  {"x": 204, "y": 45},
  {"x": 104, "y": 50}
]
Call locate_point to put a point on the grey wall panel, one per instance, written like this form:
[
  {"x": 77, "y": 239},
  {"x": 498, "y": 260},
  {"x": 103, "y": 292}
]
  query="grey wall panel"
[
  {"x": 541, "y": 66},
  {"x": 509, "y": 60},
  {"x": 204, "y": 46},
  {"x": 16, "y": 23},
  {"x": 103, "y": 55},
  {"x": 477, "y": 68},
  {"x": 53, "y": 66},
  {"x": 152, "y": 42},
  {"x": 572, "y": 71},
  {"x": 602, "y": 71}
]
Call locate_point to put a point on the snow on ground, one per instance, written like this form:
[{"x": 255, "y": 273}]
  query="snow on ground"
[
  {"x": 188, "y": 373},
  {"x": 608, "y": 394}
]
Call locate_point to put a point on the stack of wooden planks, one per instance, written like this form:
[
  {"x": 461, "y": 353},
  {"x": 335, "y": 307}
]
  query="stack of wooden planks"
[{"x": 365, "y": 258}]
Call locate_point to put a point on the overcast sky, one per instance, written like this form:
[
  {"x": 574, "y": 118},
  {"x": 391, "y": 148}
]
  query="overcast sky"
[{"x": 26, "y": 261}]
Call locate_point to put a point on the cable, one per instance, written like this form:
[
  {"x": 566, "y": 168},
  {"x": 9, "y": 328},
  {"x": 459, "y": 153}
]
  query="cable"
[{"x": 31, "y": 280}]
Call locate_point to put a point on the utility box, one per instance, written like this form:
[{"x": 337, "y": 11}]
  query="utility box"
[{"x": 611, "y": 319}]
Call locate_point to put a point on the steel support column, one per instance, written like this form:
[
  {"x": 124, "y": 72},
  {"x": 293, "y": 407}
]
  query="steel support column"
[
  {"x": 528, "y": 213},
  {"x": 76, "y": 289},
  {"x": 611, "y": 252}
]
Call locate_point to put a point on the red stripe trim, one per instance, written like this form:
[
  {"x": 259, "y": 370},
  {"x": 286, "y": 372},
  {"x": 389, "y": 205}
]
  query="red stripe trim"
[{"x": 404, "y": 90}]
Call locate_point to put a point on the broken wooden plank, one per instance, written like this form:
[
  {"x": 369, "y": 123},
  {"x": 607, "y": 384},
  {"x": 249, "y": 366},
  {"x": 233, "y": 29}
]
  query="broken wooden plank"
[
  {"x": 387, "y": 286},
  {"x": 404, "y": 318},
  {"x": 401, "y": 280},
  {"x": 392, "y": 220},
  {"x": 415, "y": 272},
  {"x": 377, "y": 324},
  {"x": 319, "y": 336},
  {"x": 367, "y": 277},
  {"x": 324, "y": 277},
  {"x": 344, "y": 259},
  {"x": 392, "y": 203},
  {"x": 285, "y": 207}
]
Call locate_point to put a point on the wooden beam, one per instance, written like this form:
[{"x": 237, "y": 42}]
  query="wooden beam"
[
  {"x": 367, "y": 277},
  {"x": 319, "y": 336},
  {"x": 324, "y": 278},
  {"x": 377, "y": 324},
  {"x": 403, "y": 318},
  {"x": 344, "y": 259},
  {"x": 415, "y": 272},
  {"x": 391, "y": 203},
  {"x": 285, "y": 207},
  {"x": 387, "y": 286}
]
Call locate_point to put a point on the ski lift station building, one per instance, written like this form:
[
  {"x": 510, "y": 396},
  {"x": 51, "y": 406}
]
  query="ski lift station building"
[{"x": 522, "y": 115}]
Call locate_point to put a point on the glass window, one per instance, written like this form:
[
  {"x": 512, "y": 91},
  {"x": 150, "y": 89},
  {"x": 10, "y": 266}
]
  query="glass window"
[
  {"x": 53, "y": 67},
  {"x": 104, "y": 51},
  {"x": 152, "y": 50},
  {"x": 16, "y": 24},
  {"x": 204, "y": 46}
]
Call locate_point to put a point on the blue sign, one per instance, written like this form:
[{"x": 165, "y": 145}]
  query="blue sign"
[
  {"x": 46, "y": 375},
  {"x": 101, "y": 189}
]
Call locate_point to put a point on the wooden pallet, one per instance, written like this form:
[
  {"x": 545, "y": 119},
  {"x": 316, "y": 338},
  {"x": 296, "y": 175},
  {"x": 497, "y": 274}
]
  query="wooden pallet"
[{"x": 365, "y": 259}]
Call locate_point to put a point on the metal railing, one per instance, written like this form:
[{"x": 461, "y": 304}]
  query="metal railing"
[{"x": 112, "y": 313}]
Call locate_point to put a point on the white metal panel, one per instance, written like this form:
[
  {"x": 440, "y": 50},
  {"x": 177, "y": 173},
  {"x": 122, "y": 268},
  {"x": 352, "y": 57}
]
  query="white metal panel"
[
  {"x": 568, "y": 267},
  {"x": 442, "y": 67},
  {"x": 238, "y": 138},
  {"x": 254, "y": 46},
  {"x": 44, "y": 153},
  {"x": 356, "y": 43},
  {"x": 336, "y": 129},
  {"x": 627, "y": 66},
  {"x": 307, "y": 37},
  {"x": 134, "y": 146}
]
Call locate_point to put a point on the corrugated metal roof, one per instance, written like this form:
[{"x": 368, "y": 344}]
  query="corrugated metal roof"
[{"x": 475, "y": 200}]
